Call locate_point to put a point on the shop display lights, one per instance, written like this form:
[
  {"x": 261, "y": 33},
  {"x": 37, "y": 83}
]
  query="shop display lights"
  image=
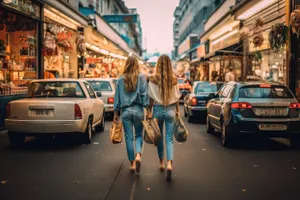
[
  {"x": 103, "y": 51},
  {"x": 229, "y": 27}
]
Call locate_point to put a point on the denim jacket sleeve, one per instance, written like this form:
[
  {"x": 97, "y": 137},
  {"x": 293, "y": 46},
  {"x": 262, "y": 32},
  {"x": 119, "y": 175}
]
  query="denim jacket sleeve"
[
  {"x": 117, "y": 98},
  {"x": 144, "y": 92}
]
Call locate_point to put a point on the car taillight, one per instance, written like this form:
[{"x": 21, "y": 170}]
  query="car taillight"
[
  {"x": 241, "y": 105},
  {"x": 8, "y": 111},
  {"x": 110, "y": 100},
  {"x": 77, "y": 112},
  {"x": 294, "y": 105},
  {"x": 194, "y": 101}
]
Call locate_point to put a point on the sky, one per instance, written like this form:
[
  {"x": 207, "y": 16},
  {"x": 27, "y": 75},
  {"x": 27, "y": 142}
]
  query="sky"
[{"x": 157, "y": 23}]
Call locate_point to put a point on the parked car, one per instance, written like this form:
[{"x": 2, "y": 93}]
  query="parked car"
[
  {"x": 55, "y": 106},
  {"x": 184, "y": 87},
  {"x": 259, "y": 109},
  {"x": 195, "y": 102},
  {"x": 107, "y": 87}
]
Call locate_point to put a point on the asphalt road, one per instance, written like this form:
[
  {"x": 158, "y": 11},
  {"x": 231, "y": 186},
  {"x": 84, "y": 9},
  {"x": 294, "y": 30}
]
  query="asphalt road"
[{"x": 60, "y": 169}]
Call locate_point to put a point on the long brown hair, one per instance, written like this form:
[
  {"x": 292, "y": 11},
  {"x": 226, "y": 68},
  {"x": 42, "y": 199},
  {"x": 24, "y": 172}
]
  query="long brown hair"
[
  {"x": 131, "y": 73},
  {"x": 164, "y": 77}
]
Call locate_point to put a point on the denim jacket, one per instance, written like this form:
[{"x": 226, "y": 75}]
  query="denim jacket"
[{"x": 125, "y": 99}]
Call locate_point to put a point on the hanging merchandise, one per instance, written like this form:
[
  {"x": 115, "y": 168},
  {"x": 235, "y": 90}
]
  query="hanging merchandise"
[
  {"x": 278, "y": 37},
  {"x": 81, "y": 48},
  {"x": 295, "y": 22},
  {"x": 63, "y": 40},
  {"x": 258, "y": 38},
  {"x": 50, "y": 48}
]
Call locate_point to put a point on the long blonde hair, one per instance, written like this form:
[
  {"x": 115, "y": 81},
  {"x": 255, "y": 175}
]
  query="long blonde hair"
[
  {"x": 164, "y": 77},
  {"x": 131, "y": 72}
]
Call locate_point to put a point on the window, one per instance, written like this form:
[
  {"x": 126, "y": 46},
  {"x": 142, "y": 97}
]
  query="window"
[
  {"x": 272, "y": 92},
  {"x": 207, "y": 87},
  {"x": 55, "y": 90},
  {"x": 101, "y": 86},
  {"x": 90, "y": 91},
  {"x": 204, "y": 13}
]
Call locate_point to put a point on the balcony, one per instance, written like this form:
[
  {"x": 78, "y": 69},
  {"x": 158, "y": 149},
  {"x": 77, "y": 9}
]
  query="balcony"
[{"x": 177, "y": 12}]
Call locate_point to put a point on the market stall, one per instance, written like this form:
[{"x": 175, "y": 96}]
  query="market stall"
[{"x": 19, "y": 24}]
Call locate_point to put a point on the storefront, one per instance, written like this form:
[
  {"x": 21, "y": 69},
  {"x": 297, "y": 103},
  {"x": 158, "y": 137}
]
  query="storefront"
[
  {"x": 19, "y": 49},
  {"x": 103, "y": 59},
  {"x": 199, "y": 65},
  {"x": 63, "y": 44},
  {"x": 225, "y": 50},
  {"x": 260, "y": 59}
]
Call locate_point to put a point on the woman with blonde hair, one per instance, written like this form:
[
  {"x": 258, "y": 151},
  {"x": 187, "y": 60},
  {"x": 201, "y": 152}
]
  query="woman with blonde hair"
[
  {"x": 164, "y": 99},
  {"x": 131, "y": 98}
]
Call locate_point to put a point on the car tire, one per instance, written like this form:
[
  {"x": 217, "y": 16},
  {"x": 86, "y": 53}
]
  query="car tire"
[
  {"x": 101, "y": 126},
  {"x": 295, "y": 143},
  {"x": 16, "y": 139},
  {"x": 226, "y": 139},
  {"x": 190, "y": 119},
  {"x": 87, "y": 136},
  {"x": 209, "y": 128}
]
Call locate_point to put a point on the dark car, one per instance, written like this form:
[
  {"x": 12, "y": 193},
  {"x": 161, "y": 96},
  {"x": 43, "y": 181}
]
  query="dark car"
[
  {"x": 253, "y": 108},
  {"x": 195, "y": 102}
]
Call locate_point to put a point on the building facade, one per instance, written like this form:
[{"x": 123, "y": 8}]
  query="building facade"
[{"x": 111, "y": 11}]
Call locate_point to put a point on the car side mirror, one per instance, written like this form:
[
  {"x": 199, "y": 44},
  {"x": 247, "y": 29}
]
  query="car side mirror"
[{"x": 99, "y": 94}]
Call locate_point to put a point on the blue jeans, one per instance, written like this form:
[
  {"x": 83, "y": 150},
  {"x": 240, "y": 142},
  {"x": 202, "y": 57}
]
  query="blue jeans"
[
  {"x": 132, "y": 117},
  {"x": 165, "y": 115}
]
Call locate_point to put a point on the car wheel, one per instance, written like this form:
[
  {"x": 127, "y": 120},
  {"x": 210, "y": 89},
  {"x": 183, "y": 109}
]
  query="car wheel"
[
  {"x": 16, "y": 139},
  {"x": 227, "y": 140},
  {"x": 209, "y": 128},
  {"x": 88, "y": 132},
  {"x": 190, "y": 118},
  {"x": 295, "y": 143},
  {"x": 101, "y": 126}
]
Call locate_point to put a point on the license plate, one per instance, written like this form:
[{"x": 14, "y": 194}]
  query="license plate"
[
  {"x": 42, "y": 112},
  {"x": 271, "y": 111},
  {"x": 272, "y": 127}
]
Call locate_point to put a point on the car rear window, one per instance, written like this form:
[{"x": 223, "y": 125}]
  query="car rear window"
[
  {"x": 180, "y": 81},
  {"x": 207, "y": 87},
  {"x": 265, "y": 91},
  {"x": 101, "y": 86},
  {"x": 55, "y": 90}
]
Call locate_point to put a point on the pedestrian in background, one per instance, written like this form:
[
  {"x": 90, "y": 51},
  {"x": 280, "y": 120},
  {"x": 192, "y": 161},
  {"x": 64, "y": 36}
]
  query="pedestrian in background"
[
  {"x": 164, "y": 99},
  {"x": 131, "y": 98},
  {"x": 230, "y": 76}
]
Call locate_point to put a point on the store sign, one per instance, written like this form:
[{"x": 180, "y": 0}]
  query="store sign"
[
  {"x": 201, "y": 51},
  {"x": 24, "y": 6},
  {"x": 129, "y": 18},
  {"x": 225, "y": 42},
  {"x": 59, "y": 19}
]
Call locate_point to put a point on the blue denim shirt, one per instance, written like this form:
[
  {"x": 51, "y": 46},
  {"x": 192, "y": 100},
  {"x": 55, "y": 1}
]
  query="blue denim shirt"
[{"x": 125, "y": 99}]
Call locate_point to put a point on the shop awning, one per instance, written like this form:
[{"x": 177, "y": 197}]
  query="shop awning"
[{"x": 222, "y": 53}]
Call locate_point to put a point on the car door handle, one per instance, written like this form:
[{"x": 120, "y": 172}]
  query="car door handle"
[{"x": 94, "y": 103}]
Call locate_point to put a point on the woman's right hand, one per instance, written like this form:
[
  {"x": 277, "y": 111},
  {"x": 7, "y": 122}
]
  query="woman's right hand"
[
  {"x": 116, "y": 118},
  {"x": 149, "y": 115}
]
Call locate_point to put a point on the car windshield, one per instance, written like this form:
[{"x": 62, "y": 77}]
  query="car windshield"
[
  {"x": 101, "y": 86},
  {"x": 261, "y": 91},
  {"x": 55, "y": 90},
  {"x": 207, "y": 87}
]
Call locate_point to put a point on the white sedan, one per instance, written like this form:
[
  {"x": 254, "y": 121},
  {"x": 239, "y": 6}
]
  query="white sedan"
[{"x": 55, "y": 106}]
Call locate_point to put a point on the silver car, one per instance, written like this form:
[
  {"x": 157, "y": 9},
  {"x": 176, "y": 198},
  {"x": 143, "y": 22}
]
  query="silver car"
[{"x": 107, "y": 88}]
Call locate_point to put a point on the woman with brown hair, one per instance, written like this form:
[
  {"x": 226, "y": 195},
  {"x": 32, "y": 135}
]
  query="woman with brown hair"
[
  {"x": 131, "y": 98},
  {"x": 164, "y": 98}
]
